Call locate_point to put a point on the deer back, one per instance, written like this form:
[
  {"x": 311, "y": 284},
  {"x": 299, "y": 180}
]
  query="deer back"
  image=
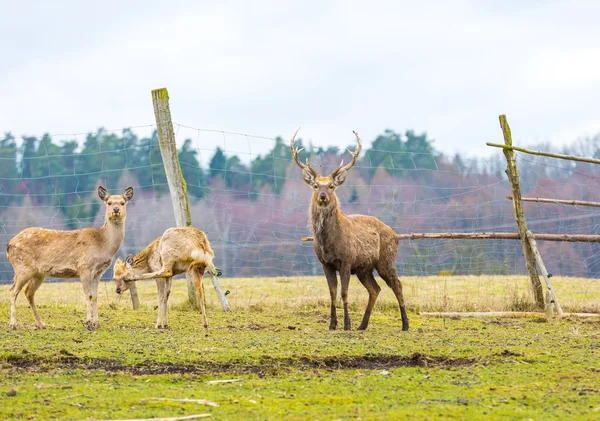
[
  {"x": 182, "y": 246},
  {"x": 59, "y": 253}
]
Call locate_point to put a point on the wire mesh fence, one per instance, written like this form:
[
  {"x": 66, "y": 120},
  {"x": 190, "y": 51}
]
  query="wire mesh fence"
[{"x": 253, "y": 205}]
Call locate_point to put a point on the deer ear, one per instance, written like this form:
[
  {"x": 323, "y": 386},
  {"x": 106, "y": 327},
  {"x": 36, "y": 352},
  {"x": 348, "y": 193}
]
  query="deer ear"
[
  {"x": 339, "y": 178},
  {"x": 103, "y": 193},
  {"x": 129, "y": 261},
  {"x": 128, "y": 195},
  {"x": 309, "y": 177}
]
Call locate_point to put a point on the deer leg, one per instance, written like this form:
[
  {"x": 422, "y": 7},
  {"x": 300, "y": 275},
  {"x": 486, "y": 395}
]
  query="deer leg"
[
  {"x": 368, "y": 281},
  {"x": 30, "y": 290},
  {"x": 345, "y": 281},
  {"x": 163, "y": 273},
  {"x": 332, "y": 282},
  {"x": 161, "y": 289},
  {"x": 168, "y": 282},
  {"x": 20, "y": 280},
  {"x": 95, "y": 285},
  {"x": 197, "y": 275},
  {"x": 86, "y": 283},
  {"x": 391, "y": 278}
]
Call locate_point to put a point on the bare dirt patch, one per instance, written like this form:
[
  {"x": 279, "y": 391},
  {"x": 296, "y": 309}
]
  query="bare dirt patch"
[{"x": 263, "y": 365}]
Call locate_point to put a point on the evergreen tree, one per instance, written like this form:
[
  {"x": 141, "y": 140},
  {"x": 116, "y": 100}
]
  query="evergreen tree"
[{"x": 218, "y": 163}]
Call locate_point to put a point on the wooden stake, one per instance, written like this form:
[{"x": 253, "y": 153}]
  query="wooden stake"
[
  {"x": 501, "y": 314},
  {"x": 513, "y": 177},
  {"x": 559, "y": 201},
  {"x": 551, "y": 299},
  {"x": 177, "y": 186},
  {"x": 548, "y": 154}
]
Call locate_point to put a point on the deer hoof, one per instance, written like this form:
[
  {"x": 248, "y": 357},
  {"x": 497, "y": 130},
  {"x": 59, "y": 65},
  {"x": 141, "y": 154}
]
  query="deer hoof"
[
  {"x": 13, "y": 326},
  {"x": 361, "y": 327},
  {"x": 41, "y": 326},
  {"x": 92, "y": 325}
]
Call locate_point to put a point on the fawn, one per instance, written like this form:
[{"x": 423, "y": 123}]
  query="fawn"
[{"x": 178, "y": 250}]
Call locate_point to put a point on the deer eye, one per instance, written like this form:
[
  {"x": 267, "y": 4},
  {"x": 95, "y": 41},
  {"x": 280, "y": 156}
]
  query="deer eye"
[
  {"x": 316, "y": 186},
  {"x": 331, "y": 186},
  {"x": 122, "y": 203}
]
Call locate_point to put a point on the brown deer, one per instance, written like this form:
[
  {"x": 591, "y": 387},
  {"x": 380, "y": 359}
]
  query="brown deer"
[
  {"x": 349, "y": 244},
  {"x": 178, "y": 250},
  {"x": 36, "y": 253}
]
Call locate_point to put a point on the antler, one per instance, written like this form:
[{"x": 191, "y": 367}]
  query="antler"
[
  {"x": 354, "y": 157},
  {"x": 296, "y": 151}
]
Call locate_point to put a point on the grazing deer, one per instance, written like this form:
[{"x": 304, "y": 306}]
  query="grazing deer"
[
  {"x": 349, "y": 244},
  {"x": 36, "y": 253},
  {"x": 178, "y": 250}
]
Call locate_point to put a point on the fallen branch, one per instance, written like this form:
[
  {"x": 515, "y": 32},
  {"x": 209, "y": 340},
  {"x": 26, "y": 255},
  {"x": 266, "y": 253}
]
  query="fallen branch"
[
  {"x": 584, "y": 238},
  {"x": 199, "y": 401},
  {"x": 186, "y": 417},
  {"x": 502, "y": 314},
  {"x": 558, "y": 201},
  {"x": 224, "y": 381},
  {"x": 549, "y": 154}
]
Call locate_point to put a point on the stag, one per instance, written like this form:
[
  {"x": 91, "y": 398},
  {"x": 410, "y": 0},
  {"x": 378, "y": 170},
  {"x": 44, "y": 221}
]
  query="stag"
[
  {"x": 36, "y": 253},
  {"x": 349, "y": 244}
]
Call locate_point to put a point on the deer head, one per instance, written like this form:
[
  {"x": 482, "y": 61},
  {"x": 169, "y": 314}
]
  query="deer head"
[
  {"x": 121, "y": 271},
  {"x": 324, "y": 187},
  {"x": 115, "y": 204}
]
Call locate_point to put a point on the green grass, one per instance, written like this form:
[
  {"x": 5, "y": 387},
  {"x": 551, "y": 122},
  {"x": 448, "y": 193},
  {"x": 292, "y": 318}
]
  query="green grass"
[{"x": 291, "y": 367}]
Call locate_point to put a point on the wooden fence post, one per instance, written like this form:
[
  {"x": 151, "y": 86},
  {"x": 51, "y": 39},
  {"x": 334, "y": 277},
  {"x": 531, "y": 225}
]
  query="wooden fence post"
[
  {"x": 175, "y": 180},
  {"x": 551, "y": 293},
  {"x": 513, "y": 177}
]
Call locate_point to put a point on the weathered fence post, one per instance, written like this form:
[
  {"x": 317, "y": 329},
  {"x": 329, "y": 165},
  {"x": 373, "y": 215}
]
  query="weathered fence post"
[
  {"x": 551, "y": 293},
  {"x": 513, "y": 177},
  {"x": 175, "y": 180}
]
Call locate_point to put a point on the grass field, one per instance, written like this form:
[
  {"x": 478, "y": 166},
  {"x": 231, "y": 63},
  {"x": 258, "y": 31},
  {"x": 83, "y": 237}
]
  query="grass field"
[{"x": 289, "y": 366}]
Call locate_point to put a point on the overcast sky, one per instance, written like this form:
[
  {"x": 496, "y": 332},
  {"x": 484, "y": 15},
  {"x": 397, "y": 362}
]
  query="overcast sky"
[{"x": 266, "y": 67}]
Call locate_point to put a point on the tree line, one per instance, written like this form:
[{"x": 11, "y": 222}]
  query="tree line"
[{"x": 255, "y": 212}]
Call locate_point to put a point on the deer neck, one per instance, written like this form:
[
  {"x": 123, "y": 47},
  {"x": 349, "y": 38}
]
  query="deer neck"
[
  {"x": 325, "y": 221},
  {"x": 141, "y": 262},
  {"x": 113, "y": 232}
]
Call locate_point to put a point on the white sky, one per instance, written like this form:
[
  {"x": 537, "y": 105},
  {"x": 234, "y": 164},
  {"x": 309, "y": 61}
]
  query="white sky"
[{"x": 266, "y": 67}]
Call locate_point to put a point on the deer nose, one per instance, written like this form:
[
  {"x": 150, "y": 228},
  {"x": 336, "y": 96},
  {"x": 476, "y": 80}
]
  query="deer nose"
[
  {"x": 322, "y": 196},
  {"x": 118, "y": 290},
  {"x": 116, "y": 209}
]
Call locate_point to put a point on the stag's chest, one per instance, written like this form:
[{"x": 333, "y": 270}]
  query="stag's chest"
[{"x": 329, "y": 250}]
